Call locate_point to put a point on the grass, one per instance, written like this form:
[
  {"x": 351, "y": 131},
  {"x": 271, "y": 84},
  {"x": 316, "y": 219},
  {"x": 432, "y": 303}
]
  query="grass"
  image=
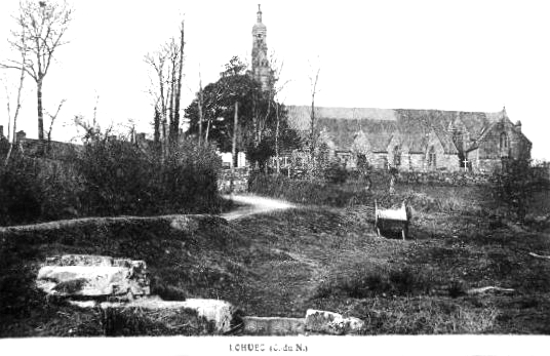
[
  {"x": 317, "y": 256},
  {"x": 196, "y": 256}
]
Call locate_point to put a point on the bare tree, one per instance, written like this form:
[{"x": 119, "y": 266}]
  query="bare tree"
[
  {"x": 157, "y": 60},
  {"x": 277, "y": 88},
  {"x": 175, "y": 119},
  {"x": 167, "y": 63},
  {"x": 313, "y": 79},
  {"x": 12, "y": 134},
  {"x": 42, "y": 27}
]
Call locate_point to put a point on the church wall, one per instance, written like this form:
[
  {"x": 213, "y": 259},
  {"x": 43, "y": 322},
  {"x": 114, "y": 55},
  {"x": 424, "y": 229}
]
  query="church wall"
[
  {"x": 489, "y": 146},
  {"x": 379, "y": 160},
  {"x": 416, "y": 161},
  {"x": 450, "y": 162}
]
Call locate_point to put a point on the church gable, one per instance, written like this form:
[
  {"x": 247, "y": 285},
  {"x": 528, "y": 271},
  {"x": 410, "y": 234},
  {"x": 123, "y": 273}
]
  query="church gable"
[{"x": 503, "y": 139}]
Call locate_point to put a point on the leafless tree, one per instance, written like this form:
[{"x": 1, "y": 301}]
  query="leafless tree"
[
  {"x": 313, "y": 79},
  {"x": 176, "y": 93},
  {"x": 277, "y": 87},
  {"x": 12, "y": 130},
  {"x": 42, "y": 26},
  {"x": 167, "y": 63},
  {"x": 157, "y": 61}
]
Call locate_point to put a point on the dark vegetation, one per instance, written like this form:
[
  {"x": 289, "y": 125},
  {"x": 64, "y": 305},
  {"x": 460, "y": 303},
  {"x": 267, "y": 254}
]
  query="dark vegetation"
[
  {"x": 324, "y": 256},
  {"x": 109, "y": 178},
  {"x": 186, "y": 256}
]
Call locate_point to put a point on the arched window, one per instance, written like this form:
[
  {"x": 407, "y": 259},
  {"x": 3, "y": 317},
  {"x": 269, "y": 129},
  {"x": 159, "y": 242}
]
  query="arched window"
[
  {"x": 396, "y": 156},
  {"x": 504, "y": 144},
  {"x": 432, "y": 158}
]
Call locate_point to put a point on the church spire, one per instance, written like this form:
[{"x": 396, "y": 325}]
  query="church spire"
[
  {"x": 260, "y": 63},
  {"x": 259, "y": 14}
]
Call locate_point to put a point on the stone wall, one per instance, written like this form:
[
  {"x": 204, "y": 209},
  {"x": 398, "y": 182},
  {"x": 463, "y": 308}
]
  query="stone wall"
[
  {"x": 459, "y": 178},
  {"x": 240, "y": 180}
]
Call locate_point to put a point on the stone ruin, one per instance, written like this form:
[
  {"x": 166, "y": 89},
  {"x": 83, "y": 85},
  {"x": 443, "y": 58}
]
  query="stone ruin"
[
  {"x": 93, "y": 277},
  {"x": 91, "y": 281}
]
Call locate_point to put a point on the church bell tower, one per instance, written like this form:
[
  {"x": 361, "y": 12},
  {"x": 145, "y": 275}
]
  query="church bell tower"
[{"x": 260, "y": 63}]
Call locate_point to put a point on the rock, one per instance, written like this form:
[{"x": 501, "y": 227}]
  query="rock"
[
  {"x": 184, "y": 223},
  {"x": 273, "y": 326},
  {"x": 220, "y": 313},
  {"x": 93, "y": 276},
  {"x": 332, "y": 323}
]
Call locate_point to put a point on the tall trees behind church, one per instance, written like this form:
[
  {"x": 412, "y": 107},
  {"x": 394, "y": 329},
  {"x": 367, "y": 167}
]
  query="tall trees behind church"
[
  {"x": 167, "y": 66},
  {"x": 41, "y": 30},
  {"x": 255, "y": 132}
]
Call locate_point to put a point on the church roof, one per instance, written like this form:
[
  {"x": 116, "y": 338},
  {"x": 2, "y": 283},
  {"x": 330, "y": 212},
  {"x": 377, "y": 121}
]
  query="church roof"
[{"x": 380, "y": 125}]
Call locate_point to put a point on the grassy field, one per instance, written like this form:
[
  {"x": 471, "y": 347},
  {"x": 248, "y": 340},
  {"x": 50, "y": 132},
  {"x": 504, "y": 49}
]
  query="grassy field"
[{"x": 315, "y": 256}]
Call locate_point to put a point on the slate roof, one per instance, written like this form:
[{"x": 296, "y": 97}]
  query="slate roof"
[{"x": 380, "y": 125}]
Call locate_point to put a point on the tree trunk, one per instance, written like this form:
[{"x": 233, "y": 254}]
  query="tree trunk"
[
  {"x": 200, "y": 112},
  {"x": 207, "y": 130},
  {"x": 235, "y": 128},
  {"x": 277, "y": 139},
  {"x": 156, "y": 126},
  {"x": 173, "y": 93},
  {"x": 234, "y": 148},
  {"x": 40, "y": 110},
  {"x": 312, "y": 139},
  {"x": 176, "y": 123}
]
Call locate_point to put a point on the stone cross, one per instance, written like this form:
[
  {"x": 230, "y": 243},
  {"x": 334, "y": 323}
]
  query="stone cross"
[{"x": 465, "y": 163}]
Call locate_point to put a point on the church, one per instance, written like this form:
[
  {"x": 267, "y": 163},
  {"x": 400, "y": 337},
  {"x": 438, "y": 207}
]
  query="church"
[{"x": 409, "y": 140}]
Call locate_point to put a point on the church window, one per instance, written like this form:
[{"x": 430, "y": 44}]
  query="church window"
[
  {"x": 432, "y": 158},
  {"x": 504, "y": 144},
  {"x": 396, "y": 156}
]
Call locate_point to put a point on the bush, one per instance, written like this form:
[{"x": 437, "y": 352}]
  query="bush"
[
  {"x": 108, "y": 178},
  {"x": 19, "y": 192},
  {"x": 335, "y": 173},
  {"x": 122, "y": 178},
  {"x": 512, "y": 187}
]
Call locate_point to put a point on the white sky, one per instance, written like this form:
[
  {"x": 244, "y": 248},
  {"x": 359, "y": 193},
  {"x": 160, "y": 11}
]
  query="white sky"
[{"x": 448, "y": 55}]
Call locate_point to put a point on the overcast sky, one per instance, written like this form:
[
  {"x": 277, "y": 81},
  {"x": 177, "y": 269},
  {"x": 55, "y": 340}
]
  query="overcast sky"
[{"x": 447, "y": 55}]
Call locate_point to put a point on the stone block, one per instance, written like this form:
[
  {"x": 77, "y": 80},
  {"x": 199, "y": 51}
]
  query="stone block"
[
  {"x": 326, "y": 322},
  {"x": 93, "y": 276},
  {"x": 220, "y": 313},
  {"x": 254, "y": 325}
]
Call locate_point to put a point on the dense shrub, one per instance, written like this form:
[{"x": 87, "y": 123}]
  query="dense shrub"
[
  {"x": 335, "y": 173},
  {"x": 122, "y": 178},
  {"x": 19, "y": 193},
  {"x": 513, "y": 186},
  {"x": 107, "y": 178}
]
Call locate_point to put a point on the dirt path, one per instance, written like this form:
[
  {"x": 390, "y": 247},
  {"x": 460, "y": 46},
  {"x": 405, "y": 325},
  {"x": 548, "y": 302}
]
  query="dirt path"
[{"x": 254, "y": 205}]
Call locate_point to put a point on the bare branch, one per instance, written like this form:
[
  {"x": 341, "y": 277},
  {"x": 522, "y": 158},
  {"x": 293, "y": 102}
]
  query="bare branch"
[{"x": 53, "y": 117}]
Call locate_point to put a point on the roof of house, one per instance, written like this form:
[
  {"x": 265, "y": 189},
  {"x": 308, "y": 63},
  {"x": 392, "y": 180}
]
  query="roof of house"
[{"x": 380, "y": 125}]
